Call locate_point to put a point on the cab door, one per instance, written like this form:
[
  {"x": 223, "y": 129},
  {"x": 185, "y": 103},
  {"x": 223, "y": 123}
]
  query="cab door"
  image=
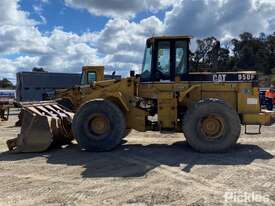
[
  {"x": 168, "y": 60},
  {"x": 163, "y": 61}
]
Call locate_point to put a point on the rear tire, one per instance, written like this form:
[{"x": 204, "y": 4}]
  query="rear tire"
[
  {"x": 99, "y": 126},
  {"x": 211, "y": 126}
]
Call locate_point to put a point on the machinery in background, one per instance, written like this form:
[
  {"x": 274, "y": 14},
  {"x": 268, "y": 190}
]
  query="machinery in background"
[
  {"x": 270, "y": 98},
  {"x": 6, "y": 101},
  {"x": 267, "y": 98}
]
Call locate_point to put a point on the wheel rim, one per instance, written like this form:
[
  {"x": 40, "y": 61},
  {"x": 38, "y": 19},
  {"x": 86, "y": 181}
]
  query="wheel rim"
[
  {"x": 212, "y": 127},
  {"x": 99, "y": 125}
]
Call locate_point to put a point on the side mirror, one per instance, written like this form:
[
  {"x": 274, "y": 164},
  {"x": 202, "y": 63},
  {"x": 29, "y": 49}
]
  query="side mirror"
[
  {"x": 132, "y": 73},
  {"x": 113, "y": 74}
]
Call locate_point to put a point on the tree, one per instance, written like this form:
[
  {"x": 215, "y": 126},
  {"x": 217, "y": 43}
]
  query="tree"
[
  {"x": 247, "y": 52},
  {"x": 210, "y": 55},
  {"x": 254, "y": 53},
  {"x": 6, "y": 84},
  {"x": 270, "y": 45}
]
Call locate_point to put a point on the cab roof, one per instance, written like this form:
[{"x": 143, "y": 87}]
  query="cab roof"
[{"x": 170, "y": 38}]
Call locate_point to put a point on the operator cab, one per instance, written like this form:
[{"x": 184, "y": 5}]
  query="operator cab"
[
  {"x": 92, "y": 74},
  {"x": 166, "y": 59}
]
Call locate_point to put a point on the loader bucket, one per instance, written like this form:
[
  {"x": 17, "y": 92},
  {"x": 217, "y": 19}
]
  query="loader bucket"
[{"x": 43, "y": 125}]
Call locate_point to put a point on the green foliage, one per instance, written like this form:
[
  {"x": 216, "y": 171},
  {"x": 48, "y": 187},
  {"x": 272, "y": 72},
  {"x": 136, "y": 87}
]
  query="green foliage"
[
  {"x": 246, "y": 53},
  {"x": 6, "y": 84}
]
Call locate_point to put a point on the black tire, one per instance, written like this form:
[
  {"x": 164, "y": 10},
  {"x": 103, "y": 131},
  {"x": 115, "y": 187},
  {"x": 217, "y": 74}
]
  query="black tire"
[
  {"x": 269, "y": 104},
  {"x": 87, "y": 138},
  {"x": 228, "y": 129}
]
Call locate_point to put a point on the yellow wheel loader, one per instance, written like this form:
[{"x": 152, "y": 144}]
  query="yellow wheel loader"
[{"x": 208, "y": 108}]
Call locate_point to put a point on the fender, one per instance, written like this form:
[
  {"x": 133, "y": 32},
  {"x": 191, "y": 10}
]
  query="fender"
[{"x": 119, "y": 99}]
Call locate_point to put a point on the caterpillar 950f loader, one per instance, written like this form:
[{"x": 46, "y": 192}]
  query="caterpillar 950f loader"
[{"x": 208, "y": 108}]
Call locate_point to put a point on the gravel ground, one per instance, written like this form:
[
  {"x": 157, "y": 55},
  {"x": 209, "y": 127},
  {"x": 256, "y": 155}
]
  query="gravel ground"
[{"x": 150, "y": 169}]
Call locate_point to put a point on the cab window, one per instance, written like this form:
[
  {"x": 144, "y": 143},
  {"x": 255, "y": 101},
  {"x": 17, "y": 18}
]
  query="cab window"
[
  {"x": 91, "y": 77},
  {"x": 147, "y": 64},
  {"x": 88, "y": 78},
  {"x": 163, "y": 61},
  {"x": 181, "y": 57}
]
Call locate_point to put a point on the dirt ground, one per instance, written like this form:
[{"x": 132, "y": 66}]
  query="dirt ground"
[{"x": 150, "y": 169}]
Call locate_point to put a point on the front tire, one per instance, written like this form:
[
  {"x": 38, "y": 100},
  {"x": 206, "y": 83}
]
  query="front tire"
[
  {"x": 211, "y": 126},
  {"x": 99, "y": 126}
]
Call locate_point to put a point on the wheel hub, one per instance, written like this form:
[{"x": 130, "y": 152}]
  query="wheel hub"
[
  {"x": 99, "y": 124},
  {"x": 212, "y": 126}
]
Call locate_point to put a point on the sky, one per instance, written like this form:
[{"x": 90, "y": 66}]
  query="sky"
[{"x": 64, "y": 35}]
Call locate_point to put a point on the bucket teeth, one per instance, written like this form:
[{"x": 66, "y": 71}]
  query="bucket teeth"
[{"x": 43, "y": 126}]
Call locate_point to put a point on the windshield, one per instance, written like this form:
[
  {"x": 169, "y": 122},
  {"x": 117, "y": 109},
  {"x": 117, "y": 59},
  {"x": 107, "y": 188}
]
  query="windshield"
[
  {"x": 181, "y": 57},
  {"x": 147, "y": 63},
  {"x": 88, "y": 77},
  {"x": 91, "y": 77}
]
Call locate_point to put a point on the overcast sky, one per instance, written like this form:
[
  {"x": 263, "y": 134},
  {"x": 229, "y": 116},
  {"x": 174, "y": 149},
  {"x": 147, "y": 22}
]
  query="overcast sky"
[{"x": 64, "y": 35}]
